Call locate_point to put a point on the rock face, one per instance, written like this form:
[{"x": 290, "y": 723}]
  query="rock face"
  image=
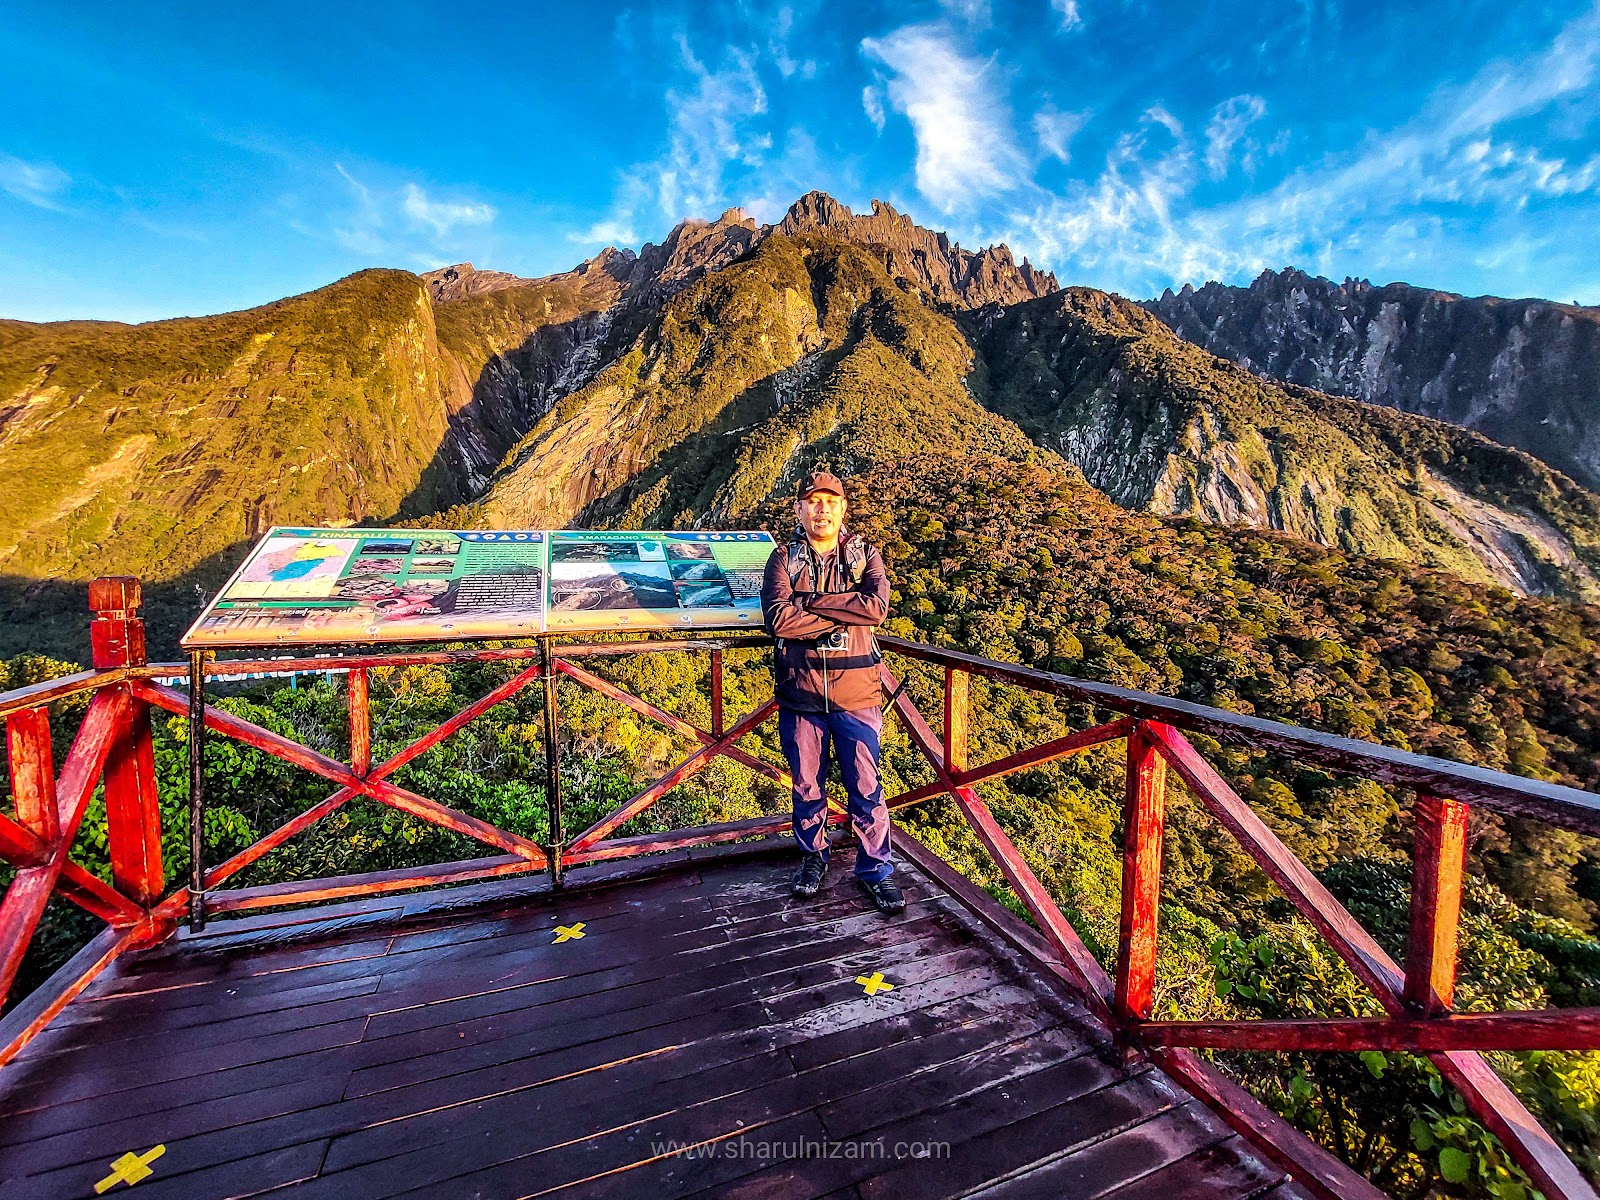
[
  {"x": 463, "y": 279},
  {"x": 1523, "y": 372},
  {"x": 803, "y": 352},
  {"x": 926, "y": 259},
  {"x": 1161, "y": 425}
]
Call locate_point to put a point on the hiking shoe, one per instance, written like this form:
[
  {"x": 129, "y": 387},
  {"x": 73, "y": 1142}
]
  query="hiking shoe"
[
  {"x": 885, "y": 894},
  {"x": 808, "y": 876}
]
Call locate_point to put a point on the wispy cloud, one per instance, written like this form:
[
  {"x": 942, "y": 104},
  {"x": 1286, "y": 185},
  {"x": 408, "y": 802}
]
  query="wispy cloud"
[
  {"x": 1067, "y": 10},
  {"x": 443, "y": 216},
  {"x": 872, "y": 105},
  {"x": 1227, "y": 128},
  {"x": 403, "y": 223},
  {"x": 1055, "y": 131},
  {"x": 965, "y": 148},
  {"x": 41, "y": 184},
  {"x": 1136, "y": 224},
  {"x": 713, "y": 124}
]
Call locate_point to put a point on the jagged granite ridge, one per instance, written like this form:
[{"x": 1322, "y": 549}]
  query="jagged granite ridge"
[{"x": 1525, "y": 373}]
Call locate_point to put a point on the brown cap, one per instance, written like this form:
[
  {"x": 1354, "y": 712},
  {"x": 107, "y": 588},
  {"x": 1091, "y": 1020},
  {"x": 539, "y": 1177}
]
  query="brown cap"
[{"x": 820, "y": 481}]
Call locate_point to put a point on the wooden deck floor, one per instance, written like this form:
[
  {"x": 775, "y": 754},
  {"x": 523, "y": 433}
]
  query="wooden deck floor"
[{"x": 472, "y": 1053}]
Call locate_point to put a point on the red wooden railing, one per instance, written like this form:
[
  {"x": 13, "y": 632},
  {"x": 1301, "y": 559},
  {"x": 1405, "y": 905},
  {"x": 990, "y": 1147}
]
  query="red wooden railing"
[{"x": 113, "y": 746}]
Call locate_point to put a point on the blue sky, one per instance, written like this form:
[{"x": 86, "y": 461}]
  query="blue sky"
[{"x": 194, "y": 158}]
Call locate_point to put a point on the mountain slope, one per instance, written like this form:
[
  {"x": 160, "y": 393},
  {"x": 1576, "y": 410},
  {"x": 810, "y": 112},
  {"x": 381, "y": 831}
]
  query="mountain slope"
[
  {"x": 804, "y": 352},
  {"x": 1162, "y": 425},
  {"x": 1523, "y": 372}
]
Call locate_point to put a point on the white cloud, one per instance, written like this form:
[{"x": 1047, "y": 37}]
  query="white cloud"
[
  {"x": 973, "y": 12},
  {"x": 1067, "y": 10},
  {"x": 1135, "y": 226},
  {"x": 711, "y": 127},
  {"x": 404, "y": 224},
  {"x": 38, "y": 183},
  {"x": 1225, "y": 129},
  {"x": 965, "y": 148},
  {"x": 1055, "y": 131},
  {"x": 872, "y": 105},
  {"x": 443, "y": 216}
]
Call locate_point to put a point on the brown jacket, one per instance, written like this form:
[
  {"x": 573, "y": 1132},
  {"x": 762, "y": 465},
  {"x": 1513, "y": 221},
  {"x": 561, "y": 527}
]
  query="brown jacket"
[{"x": 809, "y": 677}]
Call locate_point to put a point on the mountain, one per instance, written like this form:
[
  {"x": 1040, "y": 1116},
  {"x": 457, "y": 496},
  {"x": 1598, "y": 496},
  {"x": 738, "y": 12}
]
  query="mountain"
[
  {"x": 806, "y": 352},
  {"x": 1162, "y": 425},
  {"x": 1523, "y": 372},
  {"x": 690, "y": 383},
  {"x": 928, "y": 260}
]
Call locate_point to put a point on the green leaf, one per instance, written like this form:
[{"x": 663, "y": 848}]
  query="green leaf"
[
  {"x": 1454, "y": 1165},
  {"x": 1375, "y": 1062},
  {"x": 1422, "y": 1134},
  {"x": 1224, "y": 986},
  {"x": 1264, "y": 953}
]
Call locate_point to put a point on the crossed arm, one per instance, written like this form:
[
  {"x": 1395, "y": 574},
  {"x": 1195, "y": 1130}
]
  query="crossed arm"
[{"x": 791, "y": 614}]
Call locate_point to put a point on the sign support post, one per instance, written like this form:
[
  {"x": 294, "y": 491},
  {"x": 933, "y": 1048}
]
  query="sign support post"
[{"x": 552, "y": 759}]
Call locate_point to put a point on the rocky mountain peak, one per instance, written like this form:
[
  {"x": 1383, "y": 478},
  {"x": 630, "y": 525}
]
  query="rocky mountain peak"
[
  {"x": 463, "y": 279},
  {"x": 928, "y": 260}
]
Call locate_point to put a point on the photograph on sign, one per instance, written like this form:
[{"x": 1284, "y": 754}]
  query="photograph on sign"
[
  {"x": 303, "y": 586},
  {"x": 629, "y": 579},
  {"x": 315, "y": 586}
]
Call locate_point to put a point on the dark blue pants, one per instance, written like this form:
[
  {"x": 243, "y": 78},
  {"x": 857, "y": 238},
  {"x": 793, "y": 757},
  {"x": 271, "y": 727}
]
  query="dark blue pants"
[{"x": 852, "y": 738}]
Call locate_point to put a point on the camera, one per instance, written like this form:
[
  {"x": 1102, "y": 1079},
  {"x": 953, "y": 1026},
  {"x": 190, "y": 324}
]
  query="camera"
[{"x": 837, "y": 640}]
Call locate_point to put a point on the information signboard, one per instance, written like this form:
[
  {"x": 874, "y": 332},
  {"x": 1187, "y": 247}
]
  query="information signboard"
[{"x": 316, "y": 586}]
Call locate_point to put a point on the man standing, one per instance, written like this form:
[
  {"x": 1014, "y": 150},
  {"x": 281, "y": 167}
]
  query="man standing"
[{"x": 821, "y": 598}]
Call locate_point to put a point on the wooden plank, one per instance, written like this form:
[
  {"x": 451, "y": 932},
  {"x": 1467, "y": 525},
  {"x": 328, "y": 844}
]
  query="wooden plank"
[
  {"x": 677, "y": 724},
  {"x": 1143, "y": 822},
  {"x": 313, "y": 664},
  {"x": 48, "y": 691},
  {"x": 133, "y": 810},
  {"x": 20, "y": 846},
  {"x": 1438, "y": 865},
  {"x": 690, "y": 766},
  {"x": 716, "y": 692},
  {"x": 1091, "y": 977},
  {"x": 1485, "y": 1092},
  {"x": 264, "y": 846},
  {"x": 357, "y": 701},
  {"x": 1566, "y": 807},
  {"x": 33, "y": 774},
  {"x": 1126, "y": 1157},
  {"x": 957, "y": 719},
  {"x": 1498, "y": 1107},
  {"x": 30, "y": 890},
  {"x": 1305, "y": 891},
  {"x": 372, "y": 883},
  {"x": 1036, "y": 756},
  {"x": 29, "y": 1017},
  {"x": 293, "y": 752},
  {"x": 1225, "y": 1171},
  {"x": 1543, "y": 1029},
  {"x": 1264, "y": 1128}
]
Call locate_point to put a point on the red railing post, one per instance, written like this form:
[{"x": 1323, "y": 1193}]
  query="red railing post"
[
  {"x": 716, "y": 692},
  {"x": 33, "y": 772},
  {"x": 356, "y": 692},
  {"x": 1439, "y": 860},
  {"x": 957, "y": 718},
  {"x": 133, "y": 813},
  {"x": 1143, "y": 823}
]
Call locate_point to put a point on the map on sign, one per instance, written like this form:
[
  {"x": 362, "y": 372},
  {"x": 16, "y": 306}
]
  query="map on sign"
[{"x": 305, "y": 586}]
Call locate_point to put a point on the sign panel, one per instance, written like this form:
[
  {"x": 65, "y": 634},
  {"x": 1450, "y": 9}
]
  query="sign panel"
[{"x": 315, "y": 586}]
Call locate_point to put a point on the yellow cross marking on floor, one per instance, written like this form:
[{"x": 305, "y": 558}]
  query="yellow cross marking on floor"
[
  {"x": 130, "y": 1169},
  {"x": 874, "y": 983},
  {"x": 567, "y": 933}
]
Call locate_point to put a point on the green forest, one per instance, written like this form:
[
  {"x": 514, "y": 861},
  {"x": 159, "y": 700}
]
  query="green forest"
[{"x": 1025, "y": 563}]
